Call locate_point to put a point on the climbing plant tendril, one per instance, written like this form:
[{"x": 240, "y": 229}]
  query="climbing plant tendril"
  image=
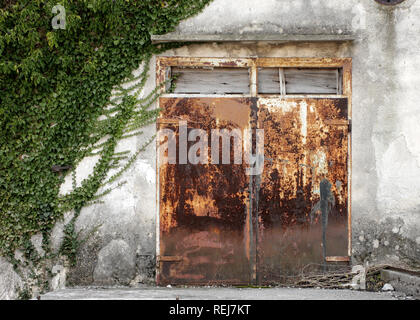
[{"x": 57, "y": 105}]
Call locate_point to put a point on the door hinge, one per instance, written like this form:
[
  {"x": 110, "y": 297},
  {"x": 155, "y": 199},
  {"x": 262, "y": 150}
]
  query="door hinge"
[
  {"x": 169, "y": 259},
  {"x": 339, "y": 122},
  {"x": 161, "y": 259},
  {"x": 337, "y": 259}
]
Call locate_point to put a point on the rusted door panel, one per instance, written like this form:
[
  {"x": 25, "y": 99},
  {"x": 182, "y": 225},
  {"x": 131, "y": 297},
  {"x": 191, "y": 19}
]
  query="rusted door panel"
[
  {"x": 204, "y": 236},
  {"x": 210, "y": 232},
  {"x": 302, "y": 205}
]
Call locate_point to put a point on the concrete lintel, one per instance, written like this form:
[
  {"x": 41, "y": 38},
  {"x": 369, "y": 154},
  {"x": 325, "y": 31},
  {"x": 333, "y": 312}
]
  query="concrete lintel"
[{"x": 282, "y": 38}]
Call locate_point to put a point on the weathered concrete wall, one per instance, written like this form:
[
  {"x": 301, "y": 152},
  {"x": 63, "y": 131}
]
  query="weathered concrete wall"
[
  {"x": 386, "y": 147},
  {"x": 121, "y": 250}
]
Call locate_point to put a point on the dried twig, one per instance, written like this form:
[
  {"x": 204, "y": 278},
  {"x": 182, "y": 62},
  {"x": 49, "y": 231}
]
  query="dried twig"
[{"x": 332, "y": 280}]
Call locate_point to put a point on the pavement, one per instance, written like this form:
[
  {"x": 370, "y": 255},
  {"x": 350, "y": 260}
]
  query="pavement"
[{"x": 215, "y": 293}]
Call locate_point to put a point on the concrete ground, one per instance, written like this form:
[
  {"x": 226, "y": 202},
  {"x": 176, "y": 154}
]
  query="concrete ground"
[{"x": 215, "y": 293}]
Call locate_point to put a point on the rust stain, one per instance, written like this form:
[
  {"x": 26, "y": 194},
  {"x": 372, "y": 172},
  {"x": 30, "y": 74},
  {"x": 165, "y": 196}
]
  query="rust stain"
[{"x": 230, "y": 112}]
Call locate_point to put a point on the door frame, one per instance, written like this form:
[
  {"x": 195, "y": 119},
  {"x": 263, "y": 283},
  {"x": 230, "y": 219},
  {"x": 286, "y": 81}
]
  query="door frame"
[{"x": 163, "y": 64}]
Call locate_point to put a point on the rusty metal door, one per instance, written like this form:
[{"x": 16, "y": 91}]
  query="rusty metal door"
[
  {"x": 204, "y": 237},
  {"x": 209, "y": 232},
  {"x": 217, "y": 225},
  {"x": 303, "y": 191}
]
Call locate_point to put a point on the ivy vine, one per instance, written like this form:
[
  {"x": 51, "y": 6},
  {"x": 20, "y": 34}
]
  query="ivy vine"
[{"x": 55, "y": 102}]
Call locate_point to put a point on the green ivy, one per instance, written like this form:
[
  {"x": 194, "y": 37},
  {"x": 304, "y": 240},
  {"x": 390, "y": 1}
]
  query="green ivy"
[{"x": 54, "y": 87}]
